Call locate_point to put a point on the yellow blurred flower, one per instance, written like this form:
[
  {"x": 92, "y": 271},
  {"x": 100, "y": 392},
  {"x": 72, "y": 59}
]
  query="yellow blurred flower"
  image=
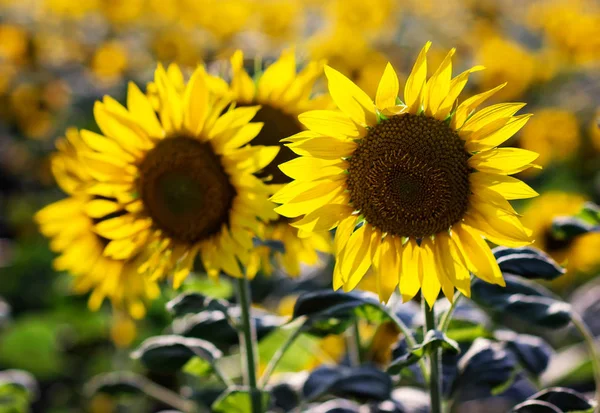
[
  {"x": 69, "y": 8},
  {"x": 365, "y": 17},
  {"x": 553, "y": 133},
  {"x": 120, "y": 12},
  {"x": 571, "y": 26},
  {"x": 594, "y": 130},
  {"x": 34, "y": 107},
  {"x": 279, "y": 19},
  {"x": 505, "y": 61},
  {"x": 14, "y": 43},
  {"x": 176, "y": 45},
  {"x": 123, "y": 330},
  {"x": 348, "y": 51},
  {"x": 579, "y": 255},
  {"x": 109, "y": 61}
]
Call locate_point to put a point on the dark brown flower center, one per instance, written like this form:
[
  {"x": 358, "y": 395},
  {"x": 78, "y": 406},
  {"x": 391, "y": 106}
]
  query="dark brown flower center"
[
  {"x": 552, "y": 244},
  {"x": 409, "y": 176},
  {"x": 185, "y": 189},
  {"x": 277, "y": 125}
]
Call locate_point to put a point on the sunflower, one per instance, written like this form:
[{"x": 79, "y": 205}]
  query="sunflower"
[
  {"x": 282, "y": 94},
  {"x": 414, "y": 188},
  {"x": 580, "y": 254},
  {"x": 178, "y": 185},
  {"x": 70, "y": 225}
]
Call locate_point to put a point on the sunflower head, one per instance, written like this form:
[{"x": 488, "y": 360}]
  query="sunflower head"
[
  {"x": 413, "y": 187},
  {"x": 176, "y": 177},
  {"x": 282, "y": 93},
  {"x": 69, "y": 223}
]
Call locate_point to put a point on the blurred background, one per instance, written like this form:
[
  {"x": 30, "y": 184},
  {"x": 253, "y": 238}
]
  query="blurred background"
[{"x": 58, "y": 56}]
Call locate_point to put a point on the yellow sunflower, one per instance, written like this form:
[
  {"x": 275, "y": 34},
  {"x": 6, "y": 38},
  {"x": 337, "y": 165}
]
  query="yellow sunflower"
[
  {"x": 180, "y": 184},
  {"x": 70, "y": 225},
  {"x": 282, "y": 94},
  {"x": 414, "y": 188}
]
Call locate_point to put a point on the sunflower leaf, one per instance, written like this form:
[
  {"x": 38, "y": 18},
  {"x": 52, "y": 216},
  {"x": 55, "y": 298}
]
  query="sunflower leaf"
[
  {"x": 169, "y": 354},
  {"x": 527, "y": 262},
  {"x": 565, "y": 228},
  {"x": 191, "y": 302},
  {"x": 365, "y": 383},
  {"x": 330, "y": 312},
  {"x": 526, "y": 301}
]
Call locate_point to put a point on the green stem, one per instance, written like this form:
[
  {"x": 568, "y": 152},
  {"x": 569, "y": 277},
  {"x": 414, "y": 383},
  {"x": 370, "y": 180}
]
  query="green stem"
[
  {"x": 167, "y": 396},
  {"x": 353, "y": 338},
  {"x": 247, "y": 342},
  {"x": 264, "y": 380},
  {"x": 590, "y": 344},
  {"x": 410, "y": 340},
  {"x": 447, "y": 317},
  {"x": 435, "y": 383}
]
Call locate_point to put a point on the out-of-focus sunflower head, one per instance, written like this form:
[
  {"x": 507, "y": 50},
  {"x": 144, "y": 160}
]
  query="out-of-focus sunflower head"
[
  {"x": 14, "y": 44},
  {"x": 34, "y": 107},
  {"x": 505, "y": 61},
  {"x": 349, "y": 52},
  {"x": 580, "y": 254},
  {"x": 365, "y": 17},
  {"x": 572, "y": 27},
  {"x": 279, "y": 19},
  {"x": 70, "y": 9},
  {"x": 110, "y": 61},
  {"x": 69, "y": 224},
  {"x": 177, "y": 45},
  {"x": 122, "y": 12},
  {"x": 553, "y": 133}
]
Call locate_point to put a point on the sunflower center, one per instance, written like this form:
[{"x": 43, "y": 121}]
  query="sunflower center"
[
  {"x": 185, "y": 189},
  {"x": 277, "y": 125},
  {"x": 409, "y": 176}
]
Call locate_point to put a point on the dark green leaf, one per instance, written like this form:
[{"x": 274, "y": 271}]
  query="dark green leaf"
[
  {"x": 532, "y": 304},
  {"x": 533, "y": 352},
  {"x": 486, "y": 362},
  {"x": 21, "y": 379},
  {"x": 567, "y": 400},
  {"x": 591, "y": 213},
  {"x": 330, "y": 312},
  {"x": 536, "y": 406},
  {"x": 527, "y": 262},
  {"x": 116, "y": 383},
  {"x": 335, "y": 406},
  {"x": 237, "y": 400},
  {"x": 565, "y": 228},
  {"x": 192, "y": 302},
  {"x": 169, "y": 354},
  {"x": 363, "y": 383},
  {"x": 433, "y": 340}
]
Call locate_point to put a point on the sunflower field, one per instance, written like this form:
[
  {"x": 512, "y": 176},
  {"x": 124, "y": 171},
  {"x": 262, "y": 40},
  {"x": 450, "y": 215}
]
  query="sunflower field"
[{"x": 289, "y": 206}]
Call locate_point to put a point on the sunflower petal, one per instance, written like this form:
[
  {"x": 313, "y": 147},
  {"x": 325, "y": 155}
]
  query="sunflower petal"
[
  {"x": 507, "y": 186},
  {"x": 463, "y": 111},
  {"x": 498, "y": 137},
  {"x": 350, "y": 98},
  {"x": 411, "y": 276},
  {"x": 475, "y": 248},
  {"x": 324, "y": 147},
  {"x": 413, "y": 89},
  {"x": 504, "y": 161},
  {"x": 431, "y": 286},
  {"x": 456, "y": 86},
  {"x": 330, "y": 123},
  {"x": 438, "y": 86},
  {"x": 387, "y": 91}
]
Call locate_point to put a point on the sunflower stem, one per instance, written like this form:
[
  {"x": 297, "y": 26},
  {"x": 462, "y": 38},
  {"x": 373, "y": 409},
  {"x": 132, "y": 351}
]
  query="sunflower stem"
[
  {"x": 435, "y": 383},
  {"x": 264, "y": 380},
  {"x": 410, "y": 340},
  {"x": 590, "y": 344},
  {"x": 353, "y": 338},
  {"x": 447, "y": 317},
  {"x": 247, "y": 343}
]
